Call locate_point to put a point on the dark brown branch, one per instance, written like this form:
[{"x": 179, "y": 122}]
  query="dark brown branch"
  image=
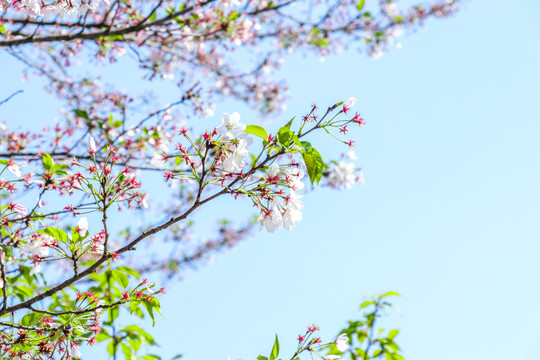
[{"x": 97, "y": 34}]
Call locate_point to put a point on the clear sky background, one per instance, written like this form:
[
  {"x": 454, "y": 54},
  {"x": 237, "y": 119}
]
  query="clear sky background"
[{"x": 448, "y": 216}]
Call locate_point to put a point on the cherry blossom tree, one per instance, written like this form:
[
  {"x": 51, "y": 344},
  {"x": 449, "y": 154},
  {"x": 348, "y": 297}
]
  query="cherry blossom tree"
[{"x": 63, "y": 183}]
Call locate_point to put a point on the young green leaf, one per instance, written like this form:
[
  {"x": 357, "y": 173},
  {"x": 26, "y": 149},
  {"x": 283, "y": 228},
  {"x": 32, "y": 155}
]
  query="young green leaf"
[
  {"x": 129, "y": 271},
  {"x": 366, "y": 304},
  {"x": 120, "y": 278},
  {"x": 81, "y": 113},
  {"x": 284, "y": 136},
  {"x": 150, "y": 309},
  {"x": 31, "y": 319},
  {"x": 288, "y": 125},
  {"x": 275, "y": 350},
  {"x": 47, "y": 161},
  {"x": 314, "y": 162},
  {"x": 56, "y": 233},
  {"x": 127, "y": 351},
  {"x": 257, "y": 130}
]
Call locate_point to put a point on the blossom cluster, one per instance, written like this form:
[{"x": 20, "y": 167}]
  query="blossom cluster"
[{"x": 37, "y": 8}]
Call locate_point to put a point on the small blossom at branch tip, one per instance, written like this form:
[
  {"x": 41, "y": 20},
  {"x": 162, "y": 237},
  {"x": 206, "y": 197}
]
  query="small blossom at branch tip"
[
  {"x": 168, "y": 175},
  {"x": 341, "y": 342},
  {"x": 349, "y": 104},
  {"x": 82, "y": 226},
  {"x": 19, "y": 209},
  {"x": 15, "y": 168},
  {"x": 358, "y": 119},
  {"x": 273, "y": 171},
  {"x": 332, "y": 357},
  {"x": 209, "y": 111},
  {"x": 75, "y": 350},
  {"x": 92, "y": 149},
  {"x": 159, "y": 159}
]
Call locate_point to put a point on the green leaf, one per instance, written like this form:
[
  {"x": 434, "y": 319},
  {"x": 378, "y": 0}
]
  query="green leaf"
[
  {"x": 127, "y": 351},
  {"x": 24, "y": 290},
  {"x": 296, "y": 140},
  {"x": 151, "y": 357},
  {"x": 260, "y": 357},
  {"x": 133, "y": 306},
  {"x": 284, "y": 136},
  {"x": 234, "y": 15},
  {"x": 120, "y": 278},
  {"x": 102, "y": 337},
  {"x": 47, "y": 161},
  {"x": 392, "y": 334},
  {"x": 81, "y": 113},
  {"x": 390, "y": 293},
  {"x": 135, "y": 344},
  {"x": 129, "y": 271},
  {"x": 59, "y": 169},
  {"x": 366, "y": 304},
  {"x": 56, "y": 233},
  {"x": 111, "y": 348},
  {"x": 314, "y": 162},
  {"x": 360, "y": 5},
  {"x": 288, "y": 125},
  {"x": 257, "y": 130},
  {"x": 150, "y": 309},
  {"x": 275, "y": 350},
  {"x": 31, "y": 319}
]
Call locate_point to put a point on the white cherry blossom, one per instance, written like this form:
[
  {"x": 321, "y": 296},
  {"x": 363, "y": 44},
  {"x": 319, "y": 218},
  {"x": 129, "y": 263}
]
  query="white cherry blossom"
[
  {"x": 231, "y": 126},
  {"x": 75, "y": 351},
  {"x": 235, "y": 161},
  {"x": 271, "y": 219},
  {"x": 83, "y": 226},
  {"x": 36, "y": 269},
  {"x": 159, "y": 160},
  {"x": 38, "y": 247},
  {"x": 341, "y": 342},
  {"x": 343, "y": 175},
  {"x": 273, "y": 170},
  {"x": 15, "y": 168}
]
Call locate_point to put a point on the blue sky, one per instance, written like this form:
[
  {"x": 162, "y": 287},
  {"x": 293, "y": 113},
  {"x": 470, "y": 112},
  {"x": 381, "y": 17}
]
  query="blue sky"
[{"x": 448, "y": 216}]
